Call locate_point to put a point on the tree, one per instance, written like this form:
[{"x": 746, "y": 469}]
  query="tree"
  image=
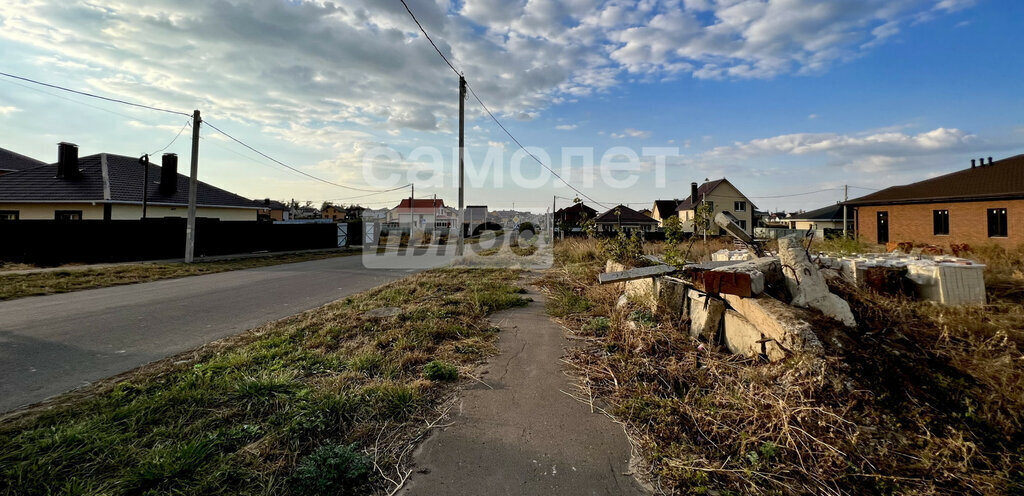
[
  {"x": 674, "y": 230},
  {"x": 702, "y": 219}
]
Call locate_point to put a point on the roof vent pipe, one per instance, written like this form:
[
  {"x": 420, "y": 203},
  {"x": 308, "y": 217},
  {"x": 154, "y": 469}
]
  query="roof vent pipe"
[
  {"x": 67, "y": 160},
  {"x": 693, "y": 193},
  {"x": 990, "y": 161},
  {"x": 972, "y": 162},
  {"x": 169, "y": 174}
]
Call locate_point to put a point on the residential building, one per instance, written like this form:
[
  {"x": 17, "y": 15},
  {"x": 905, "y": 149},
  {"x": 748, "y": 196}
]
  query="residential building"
[
  {"x": 977, "y": 205},
  {"x": 298, "y": 212},
  {"x": 425, "y": 214},
  {"x": 13, "y": 162},
  {"x": 272, "y": 210},
  {"x": 623, "y": 218},
  {"x": 823, "y": 221},
  {"x": 664, "y": 209},
  {"x": 334, "y": 213},
  {"x": 721, "y": 196},
  {"x": 574, "y": 216},
  {"x": 110, "y": 187}
]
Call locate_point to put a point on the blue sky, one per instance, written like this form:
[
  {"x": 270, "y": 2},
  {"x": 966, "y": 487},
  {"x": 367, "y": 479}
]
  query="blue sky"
[{"x": 783, "y": 97}]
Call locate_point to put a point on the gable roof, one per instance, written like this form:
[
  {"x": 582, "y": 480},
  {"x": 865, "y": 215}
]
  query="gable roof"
[
  {"x": 577, "y": 208},
  {"x": 109, "y": 178},
  {"x": 665, "y": 206},
  {"x": 833, "y": 213},
  {"x": 421, "y": 203},
  {"x": 11, "y": 161},
  {"x": 1002, "y": 179},
  {"x": 704, "y": 190},
  {"x": 626, "y": 214}
]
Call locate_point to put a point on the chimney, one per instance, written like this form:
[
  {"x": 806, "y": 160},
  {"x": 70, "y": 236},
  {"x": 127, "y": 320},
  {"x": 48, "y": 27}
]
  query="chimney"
[
  {"x": 981, "y": 161},
  {"x": 972, "y": 162},
  {"x": 67, "y": 160},
  {"x": 693, "y": 192},
  {"x": 169, "y": 174},
  {"x": 990, "y": 161}
]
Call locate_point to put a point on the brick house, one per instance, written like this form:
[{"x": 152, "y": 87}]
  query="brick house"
[{"x": 979, "y": 205}]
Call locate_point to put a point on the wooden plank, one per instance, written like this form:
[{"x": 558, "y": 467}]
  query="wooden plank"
[{"x": 632, "y": 274}]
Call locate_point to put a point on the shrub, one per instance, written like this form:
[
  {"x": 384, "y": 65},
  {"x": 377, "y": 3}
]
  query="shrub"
[
  {"x": 624, "y": 248},
  {"x": 334, "y": 470}
]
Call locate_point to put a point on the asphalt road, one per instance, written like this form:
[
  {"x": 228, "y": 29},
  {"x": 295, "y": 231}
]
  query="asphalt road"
[{"x": 53, "y": 344}]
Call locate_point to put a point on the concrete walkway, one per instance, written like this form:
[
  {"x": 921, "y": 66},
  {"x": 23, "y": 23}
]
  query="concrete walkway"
[{"x": 524, "y": 436}]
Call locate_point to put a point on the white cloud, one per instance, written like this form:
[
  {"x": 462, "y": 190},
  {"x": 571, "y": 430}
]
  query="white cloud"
[
  {"x": 566, "y": 127},
  {"x": 812, "y": 116},
  {"x": 631, "y": 133},
  {"x": 7, "y": 109}
]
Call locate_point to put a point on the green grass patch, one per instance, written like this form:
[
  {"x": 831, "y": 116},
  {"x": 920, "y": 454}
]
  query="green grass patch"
[
  {"x": 294, "y": 407},
  {"x": 77, "y": 279}
]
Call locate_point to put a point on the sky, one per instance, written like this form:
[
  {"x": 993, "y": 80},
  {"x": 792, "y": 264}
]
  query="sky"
[{"x": 788, "y": 99}]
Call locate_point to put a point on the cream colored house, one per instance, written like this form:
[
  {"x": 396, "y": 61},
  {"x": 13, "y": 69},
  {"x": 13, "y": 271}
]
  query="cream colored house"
[
  {"x": 111, "y": 187},
  {"x": 723, "y": 197}
]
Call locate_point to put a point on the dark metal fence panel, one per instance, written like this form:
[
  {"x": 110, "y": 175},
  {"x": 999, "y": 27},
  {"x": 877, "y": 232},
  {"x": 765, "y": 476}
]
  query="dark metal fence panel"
[{"x": 50, "y": 242}]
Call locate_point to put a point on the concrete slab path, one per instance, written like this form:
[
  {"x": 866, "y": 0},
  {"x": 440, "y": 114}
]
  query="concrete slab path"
[{"x": 524, "y": 436}]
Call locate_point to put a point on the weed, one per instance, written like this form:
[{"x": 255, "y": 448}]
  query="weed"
[
  {"x": 440, "y": 371},
  {"x": 334, "y": 470},
  {"x": 565, "y": 301}
]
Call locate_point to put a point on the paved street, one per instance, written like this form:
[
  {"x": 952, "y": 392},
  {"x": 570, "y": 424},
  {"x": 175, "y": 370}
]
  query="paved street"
[{"x": 52, "y": 344}]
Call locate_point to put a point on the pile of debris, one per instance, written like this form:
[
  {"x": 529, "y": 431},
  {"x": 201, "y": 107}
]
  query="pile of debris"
[{"x": 757, "y": 307}]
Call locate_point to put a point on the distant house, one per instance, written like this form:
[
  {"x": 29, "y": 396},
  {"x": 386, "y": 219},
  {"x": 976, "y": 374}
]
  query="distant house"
[
  {"x": 334, "y": 213},
  {"x": 272, "y": 210},
  {"x": 574, "y": 215},
  {"x": 623, "y": 218},
  {"x": 423, "y": 213},
  {"x": 830, "y": 217},
  {"x": 722, "y": 196},
  {"x": 110, "y": 187},
  {"x": 14, "y": 162},
  {"x": 981, "y": 204},
  {"x": 664, "y": 209},
  {"x": 305, "y": 212}
]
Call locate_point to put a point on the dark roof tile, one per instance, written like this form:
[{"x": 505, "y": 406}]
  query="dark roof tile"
[{"x": 1001, "y": 179}]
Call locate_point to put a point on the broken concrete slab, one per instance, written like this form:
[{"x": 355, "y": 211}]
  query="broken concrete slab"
[
  {"x": 634, "y": 274},
  {"x": 705, "y": 315},
  {"x": 742, "y": 337},
  {"x": 807, "y": 286},
  {"x": 778, "y": 321},
  {"x": 727, "y": 282}
]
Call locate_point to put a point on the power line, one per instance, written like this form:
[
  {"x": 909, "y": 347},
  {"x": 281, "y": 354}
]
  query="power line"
[
  {"x": 495, "y": 119},
  {"x": 187, "y": 124},
  {"x": 115, "y": 100},
  {"x": 797, "y": 194},
  {"x": 311, "y": 176}
]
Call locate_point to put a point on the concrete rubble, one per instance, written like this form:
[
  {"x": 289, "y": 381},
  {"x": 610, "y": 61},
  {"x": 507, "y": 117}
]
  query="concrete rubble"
[{"x": 806, "y": 284}]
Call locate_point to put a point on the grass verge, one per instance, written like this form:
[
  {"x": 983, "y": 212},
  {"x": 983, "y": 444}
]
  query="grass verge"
[
  {"x": 311, "y": 401},
  {"x": 76, "y": 279},
  {"x": 919, "y": 399}
]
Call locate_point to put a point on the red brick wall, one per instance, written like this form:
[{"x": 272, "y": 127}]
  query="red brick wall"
[{"x": 968, "y": 223}]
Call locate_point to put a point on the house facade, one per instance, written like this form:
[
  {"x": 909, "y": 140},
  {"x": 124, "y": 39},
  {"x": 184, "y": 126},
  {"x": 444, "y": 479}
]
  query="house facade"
[
  {"x": 623, "y": 218},
  {"x": 423, "y": 214},
  {"x": 664, "y": 209},
  {"x": 823, "y": 221},
  {"x": 574, "y": 215},
  {"x": 112, "y": 187},
  {"x": 979, "y": 205},
  {"x": 722, "y": 196}
]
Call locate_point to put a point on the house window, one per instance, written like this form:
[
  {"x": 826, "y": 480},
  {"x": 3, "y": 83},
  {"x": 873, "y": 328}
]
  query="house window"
[
  {"x": 8, "y": 215},
  {"x": 997, "y": 223},
  {"x": 940, "y": 222},
  {"x": 67, "y": 215},
  {"x": 742, "y": 223},
  {"x": 740, "y": 206}
]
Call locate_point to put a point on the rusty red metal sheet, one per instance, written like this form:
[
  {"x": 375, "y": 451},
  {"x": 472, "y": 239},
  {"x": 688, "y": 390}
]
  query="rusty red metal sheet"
[{"x": 734, "y": 283}]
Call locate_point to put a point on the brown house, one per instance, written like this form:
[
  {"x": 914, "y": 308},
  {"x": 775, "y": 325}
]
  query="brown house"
[
  {"x": 982, "y": 204},
  {"x": 574, "y": 215}
]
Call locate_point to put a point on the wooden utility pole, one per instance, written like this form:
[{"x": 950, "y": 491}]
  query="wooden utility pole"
[
  {"x": 193, "y": 181},
  {"x": 553, "y": 199},
  {"x": 846, "y": 196},
  {"x": 462, "y": 152}
]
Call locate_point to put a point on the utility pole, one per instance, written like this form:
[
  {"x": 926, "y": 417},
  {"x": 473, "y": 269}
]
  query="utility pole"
[
  {"x": 462, "y": 169},
  {"x": 412, "y": 210},
  {"x": 846, "y": 196},
  {"x": 190, "y": 229},
  {"x": 144, "y": 160},
  {"x": 553, "y": 199}
]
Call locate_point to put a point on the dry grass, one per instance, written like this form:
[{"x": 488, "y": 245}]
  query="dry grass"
[
  {"x": 919, "y": 399},
  {"x": 237, "y": 416},
  {"x": 78, "y": 278}
]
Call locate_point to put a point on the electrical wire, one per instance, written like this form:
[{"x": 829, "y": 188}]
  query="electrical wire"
[
  {"x": 495, "y": 119},
  {"x": 115, "y": 100},
  {"x": 311, "y": 176},
  {"x": 797, "y": 194},
  {"x": 187, "y": 124}
]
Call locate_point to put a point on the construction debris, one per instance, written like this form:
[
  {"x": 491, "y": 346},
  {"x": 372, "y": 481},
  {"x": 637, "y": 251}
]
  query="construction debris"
[
  {"x": 943, "y": 279},
  {"x": 807, "y": 286},
  {"x": 705, "y": 315}
]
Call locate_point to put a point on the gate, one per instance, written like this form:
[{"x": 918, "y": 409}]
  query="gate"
[
  {"x": 342, "y": 235},
  {"x": 370, "y": 232}
]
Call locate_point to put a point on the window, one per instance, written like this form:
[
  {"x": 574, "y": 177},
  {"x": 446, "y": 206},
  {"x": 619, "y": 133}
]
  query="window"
[
  {"x": 997, "y": 223},
  {"x": 740, "y": 206},
  {"x": 940, "y": 222},
  {"x": 742, "y": 223},
  {"x": 67, "y": 215},
  {"x": 8, "y": 215}
]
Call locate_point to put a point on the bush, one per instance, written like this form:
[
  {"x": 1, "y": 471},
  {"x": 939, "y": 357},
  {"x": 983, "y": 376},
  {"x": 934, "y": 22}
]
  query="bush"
[
  {"x": 624, "y": 248},
  {"x": 334, "y": 470},
  {"x": 440, "y": 371}
]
